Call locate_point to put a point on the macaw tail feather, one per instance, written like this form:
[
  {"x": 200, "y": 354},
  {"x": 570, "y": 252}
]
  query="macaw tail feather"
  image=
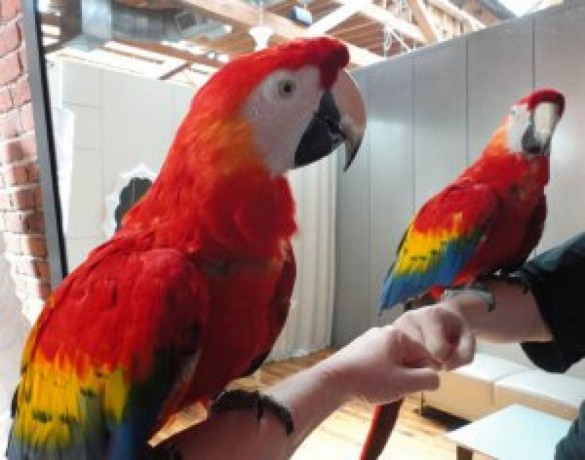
[{"x": 381, "y": 427}]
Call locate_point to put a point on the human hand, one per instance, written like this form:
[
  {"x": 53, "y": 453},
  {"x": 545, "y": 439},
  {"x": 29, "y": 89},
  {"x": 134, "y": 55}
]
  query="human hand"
[
  {"x": 385, "y": 363},
  {"x": 444, "y": 334}
]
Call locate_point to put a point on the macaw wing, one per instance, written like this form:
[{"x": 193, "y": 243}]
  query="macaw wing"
[
  {"x": 279, "y": 308},
  {"x": 441, "y": 239},
  {"x": 533, "y": 232},
  {"x": 105, "y": 354}
]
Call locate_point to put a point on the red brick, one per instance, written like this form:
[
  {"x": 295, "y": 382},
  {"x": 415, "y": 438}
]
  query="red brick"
[
  {"x": 10, "y": 38},
  {"x": 21, "y": 92},
  {"x": 26, "y": 117},
  {"x": 35, "y": 246},
  {"x": 11, "y": 67},
  {"x": 10, "y": 125},
  {"x": 15, "y": 174},
  {"x": 22, "y": 61},
  {"x": 9, "y": 9},
  {"x": 24, "y": 222},
  {"x": 13, "y": 222},
  {"x": 23, "y": 199},
  {"x": 18, "y": 149},
  {"x": 5, "y": 100},
  {"x": 38, "y": 197},
  {"x": 34, "y": 221}
]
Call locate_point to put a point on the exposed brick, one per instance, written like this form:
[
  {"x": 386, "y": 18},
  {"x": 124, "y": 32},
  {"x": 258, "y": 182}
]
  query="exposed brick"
[
  {"x": 26, "y": 117},
  {"x": 35, "y": 246},
  {"x": 21, "y": 92},
  {"x": 34, "y": 221},
  {"x": 43, "y": 270},
  {"x": 18, "y": 149},
  {"x": 22, "y": 199},
  {"x": 24, "y": 222},
  {"x": 22, "y": 61},
  {"x": 13, "y": 222},
  {"x": 5, "y": 100},
  {"x": 10, "y": 38},
  {"x": 9, "y": 9},
  {"x": 11, "y": 67},
  {"x": 10, "y": 125},
  {"x": 15, "y": 174}
]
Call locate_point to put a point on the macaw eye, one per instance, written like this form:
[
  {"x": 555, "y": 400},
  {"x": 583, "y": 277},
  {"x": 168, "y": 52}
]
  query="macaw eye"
[{"x": 286, "y": 88}]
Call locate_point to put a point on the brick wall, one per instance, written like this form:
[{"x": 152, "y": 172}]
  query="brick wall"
[{"x": 21, "y": 214}]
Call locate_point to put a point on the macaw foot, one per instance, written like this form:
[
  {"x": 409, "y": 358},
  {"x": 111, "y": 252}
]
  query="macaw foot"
[
  {"x": 477, "y": 288},
  {"x": 243, "y": 399}
]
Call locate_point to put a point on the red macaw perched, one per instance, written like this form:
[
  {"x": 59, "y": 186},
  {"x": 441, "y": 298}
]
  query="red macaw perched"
[
  {"x": 490, "y": 218},
  {"x": 194, "y": 288}
]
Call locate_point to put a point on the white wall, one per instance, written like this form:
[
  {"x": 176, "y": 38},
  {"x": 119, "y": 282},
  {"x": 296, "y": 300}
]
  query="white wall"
[
  {"x": 14, "y": 328},
  {"x": 120, "y": 121}
]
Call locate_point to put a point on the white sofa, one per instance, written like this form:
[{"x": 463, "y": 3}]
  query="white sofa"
[{"x": 502, "y": 375}]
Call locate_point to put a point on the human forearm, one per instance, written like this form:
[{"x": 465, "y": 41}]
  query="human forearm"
[
  {"x": 515, "y": 318},
  {"x": 238, "y": 434}
]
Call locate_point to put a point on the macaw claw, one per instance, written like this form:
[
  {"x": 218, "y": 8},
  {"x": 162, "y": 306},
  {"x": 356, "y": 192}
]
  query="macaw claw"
[{"x": 243, "y": 399}]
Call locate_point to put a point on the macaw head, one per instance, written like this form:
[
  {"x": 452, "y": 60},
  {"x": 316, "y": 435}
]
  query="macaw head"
[
  {"x": 532, "y": 120},
  {"x": 295, "y": 100}
]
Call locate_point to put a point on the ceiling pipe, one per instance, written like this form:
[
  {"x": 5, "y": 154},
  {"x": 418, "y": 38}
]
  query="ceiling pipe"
[{"x": 88, "y": 24}]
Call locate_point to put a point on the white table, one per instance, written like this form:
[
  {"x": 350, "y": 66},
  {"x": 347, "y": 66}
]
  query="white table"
[{"x": 513, "y": 433}]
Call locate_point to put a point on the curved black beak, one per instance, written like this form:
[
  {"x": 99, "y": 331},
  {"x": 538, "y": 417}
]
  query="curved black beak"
[
  {"x": 538, "y": 136},
  {"x": 341, "y": 118}
]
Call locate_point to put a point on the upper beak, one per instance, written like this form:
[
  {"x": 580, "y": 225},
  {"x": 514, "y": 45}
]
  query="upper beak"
[
  {"x": 341, "y": 118},
  {"x": 538, "y": 136}
]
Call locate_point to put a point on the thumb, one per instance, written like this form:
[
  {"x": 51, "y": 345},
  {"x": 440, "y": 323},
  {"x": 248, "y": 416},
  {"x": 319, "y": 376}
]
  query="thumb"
[{"x": 421, "y": 378}]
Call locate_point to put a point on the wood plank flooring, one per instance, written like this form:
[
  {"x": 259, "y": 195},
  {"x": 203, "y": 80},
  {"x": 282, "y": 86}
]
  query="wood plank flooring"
[{"x": 340, "y": 437}]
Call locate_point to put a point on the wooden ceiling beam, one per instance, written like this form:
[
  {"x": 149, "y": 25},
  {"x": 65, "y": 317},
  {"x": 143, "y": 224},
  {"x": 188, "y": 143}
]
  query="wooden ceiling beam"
[
  {"x": 461, "y": 15},
  {"x": 237, "y": 12},
  {"x": 339, "y": 15},
  {"x": 383, "y": 16},
  {"x": 424, "y": 18}
]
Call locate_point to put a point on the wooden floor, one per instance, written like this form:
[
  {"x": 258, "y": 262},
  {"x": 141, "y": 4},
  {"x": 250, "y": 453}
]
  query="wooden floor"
[{"x": 340, "y": 437}]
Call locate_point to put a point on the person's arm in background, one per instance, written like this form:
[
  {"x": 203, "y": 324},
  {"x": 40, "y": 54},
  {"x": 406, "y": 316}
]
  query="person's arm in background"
[
  {"x": 546, "y": 315},
  {"x": 515, "y": 318},
  {"x": 381, "y": 365}
]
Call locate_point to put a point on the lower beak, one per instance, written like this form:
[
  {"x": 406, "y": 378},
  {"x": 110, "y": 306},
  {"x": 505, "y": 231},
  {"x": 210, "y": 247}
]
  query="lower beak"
[{"x": 341, "y": 118}]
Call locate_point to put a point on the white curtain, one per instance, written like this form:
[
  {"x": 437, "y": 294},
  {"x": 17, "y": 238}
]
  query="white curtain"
[
  {"x": 14, "y": 328},
  {"x": 308, "y": 327}
]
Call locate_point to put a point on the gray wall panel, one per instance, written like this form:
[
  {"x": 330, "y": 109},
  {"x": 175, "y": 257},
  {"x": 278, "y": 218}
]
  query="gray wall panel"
[
  {"x": 352, "y": 314},
  {"x": 560, "y": 63},
  {"x": 390, "y": 91},
  {"x": 499, "y": 73},
  {"x": 440, "y": 112}
]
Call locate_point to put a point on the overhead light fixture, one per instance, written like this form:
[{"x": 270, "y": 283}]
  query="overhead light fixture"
[
  {"x": 261, "y": 33},
  {"x": 301, "y": 14}
]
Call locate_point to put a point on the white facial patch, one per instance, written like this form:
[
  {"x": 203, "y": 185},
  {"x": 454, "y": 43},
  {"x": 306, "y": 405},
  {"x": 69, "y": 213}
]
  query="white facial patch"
[
  {"x": 280, "y": 110},
  {"x": 518, "y": 123}
]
